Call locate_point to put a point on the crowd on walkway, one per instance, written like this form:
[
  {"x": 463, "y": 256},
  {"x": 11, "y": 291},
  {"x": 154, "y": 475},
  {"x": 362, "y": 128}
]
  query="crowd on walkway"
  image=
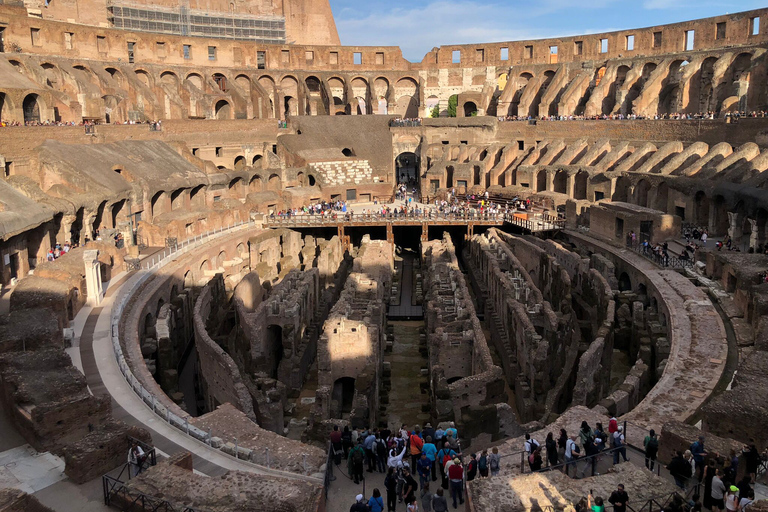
[
  {"x": 634, "y": 117},
  {"x": 407, "y": 122},
  {"x": 716, "y": 485}
]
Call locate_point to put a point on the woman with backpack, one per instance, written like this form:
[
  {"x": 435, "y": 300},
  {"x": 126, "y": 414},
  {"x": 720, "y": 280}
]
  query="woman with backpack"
[
  {"x": 482, "y": 464},
  {"x": 494, "y": 461},
  {"x": 551, "y": 446},
  {"x": 651, "y": 445}
]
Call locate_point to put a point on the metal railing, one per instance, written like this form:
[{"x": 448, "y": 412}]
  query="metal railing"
[
  {"x": 118, "y": 495},
  {"x": 148, "y": 266},
  {"x": 661, "y": 260}
]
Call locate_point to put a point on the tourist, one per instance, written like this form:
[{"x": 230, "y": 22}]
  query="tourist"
[
  {"x": 390, "y": 484},
  {"x": 680, "y": 469},
  {"x": 534, "y": 460},
  {"x": 731, "y": 466},
  {"x": 426, "y": 498},
  {"x": 746, "y": 500},
  {"x": 613, "y": 426},
  {"x": 698, "y": 451},
  {"x": 430, "y": 450},
  {"x": 412, "y": 504},
  {"x": 732, "y": 499},
  {"x": 380, "y": 450},
  {"x": 561, "y": 442},
  {"x": 439, "y": 503},
  {"x": 359, "y": 506},
  {"x": 370, "y": 450},
  {"x": 600, "y": 436},
  {"x": 695, "y": 503},
  {"x": 472, "y": 467},
  {"x": 494, "y": 461},
  {"x": 744, "y": 486},
  {"x": 530, "y": 444},
  {"x": 136, "y": 458},
  {"x": 376, "y": 503},
  {"x": 572, "y": 452},
  {"x": 718, "y": 492},
  {"x": 597, "y": 505},
  {"x": 395, "y": 459},
  {"x": 410, "y": 486},
  {"x": 689, "y": 459},
  {"x": 423, "y": 468},
  {"x": 445, "y": 455},
  {"x": 336, "y": 445},
  {"x": 451, "y": 430},
  {"x": 346, "y": 440},
  {"x": 482, "y": 464},
  {"x": 416, "y": 443},
  {"x": 428, "y": 431},
  {"x": 551, "y": 445},
  {"x": 619, "y": 499},
  {"x": 708, "y": 475},
  {"x": 355, "y": 462},
  {"x": 619, "y": 444},
  {"x": 751, "y": 460},
  {"x": 651, "y": 445},
  {"x": 456, "y": 477}
]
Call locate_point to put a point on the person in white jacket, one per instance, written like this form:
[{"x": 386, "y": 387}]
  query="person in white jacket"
[
  {"x": 135, "y": 459},
  {"x": 394, "y": 460}
]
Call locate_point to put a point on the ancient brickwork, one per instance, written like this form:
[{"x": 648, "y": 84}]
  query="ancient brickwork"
[
  {"x": 460, "y": 363},
  {"x": 349, "y": 351}
]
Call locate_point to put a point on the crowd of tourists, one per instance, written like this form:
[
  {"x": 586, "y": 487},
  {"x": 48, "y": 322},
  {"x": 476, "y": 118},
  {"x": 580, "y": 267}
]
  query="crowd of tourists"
[
  {"x": 413, "y": 462},
  {"x": 59, "y": 250},
  {"x": 406, "y": 122},
  {"x": 717, "y": 485},
  {"x": 633, "y": 117}
]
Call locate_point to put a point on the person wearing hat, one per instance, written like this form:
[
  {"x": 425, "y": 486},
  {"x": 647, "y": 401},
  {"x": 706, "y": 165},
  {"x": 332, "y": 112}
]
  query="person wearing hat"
[
  {"x": 428, "y": 431},
  {"x": 732, "y": 499},
  {"x": 456, "y": 478},
  {"x": 359, "y": 506}
]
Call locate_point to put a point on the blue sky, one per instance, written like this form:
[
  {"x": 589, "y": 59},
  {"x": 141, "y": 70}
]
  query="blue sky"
[{"x": 417, "y": 26}]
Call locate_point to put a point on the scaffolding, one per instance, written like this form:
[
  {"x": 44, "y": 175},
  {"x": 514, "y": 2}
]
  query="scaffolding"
[{"x": 183, "y": 21}]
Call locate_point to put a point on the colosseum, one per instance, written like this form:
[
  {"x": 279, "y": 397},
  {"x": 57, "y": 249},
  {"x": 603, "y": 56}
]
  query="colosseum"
[{"x": 246, "y": 268}]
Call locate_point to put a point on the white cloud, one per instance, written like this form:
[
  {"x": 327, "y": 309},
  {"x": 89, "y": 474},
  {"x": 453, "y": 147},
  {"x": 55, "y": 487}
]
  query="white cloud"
[{"x": 417, "y": 30}]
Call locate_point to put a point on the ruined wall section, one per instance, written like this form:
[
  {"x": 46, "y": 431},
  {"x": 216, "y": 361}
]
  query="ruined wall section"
[
  {"x": 219, "y": 374},
  {"x": 465, "y": 383},
  {"x": 353, "y": 339}
]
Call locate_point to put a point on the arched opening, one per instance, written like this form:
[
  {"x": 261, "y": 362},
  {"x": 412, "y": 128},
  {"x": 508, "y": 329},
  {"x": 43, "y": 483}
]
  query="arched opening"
[
  {"x": 311, "y": 180},
  {"x": 662, "y": 197},
  {"x": 541, "y": 181},
  {"x": 476, "y": 175},
  {"x": 701, "y": 209},
  {"x": 157, "y": 204},
  {"x": 256, "y": 184},
  {"x": 300, "y": 179},
  {"x": 223, "y": 110},
  {"x": 641, "y": 193},
  {"x": 720, "y": 222},
  {"x": 31, "y": 108},
  {"x": 621, "y": 190},
  {"x": 256, "y": 159},
  {"x": 625, "y": 284},
  {"x": 560, "y": 184},
  {"x": 580, "y": 185},
  {"x": 289, "y": 105},
  {"x": 344, "y": 395},
  {"x": 116, "y": 213},
  {"x": 470, "y": 109},
  {"x": 407, "y": 167},
  {"x": 239, "y": 163},
  {"x": 449, "y": 176},
  {"x": 197, "y": 197},
  {"x": 2, "y": 103},
  {"x": 274, "y": 348},
  {"x": 274, "y": 183},
  {"x": 347, "y": 152}
]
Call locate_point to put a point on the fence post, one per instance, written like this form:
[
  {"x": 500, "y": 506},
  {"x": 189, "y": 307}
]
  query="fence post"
[
  {"x": 304, "y": 457},
  {"x": 237, "y": 450},
  {"x": 186, "y": 425},
  {"x": 267, "y": 451},
  {"x": 209, "y": 437}
]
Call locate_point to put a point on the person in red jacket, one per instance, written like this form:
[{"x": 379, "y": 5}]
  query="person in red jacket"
[
  {"x": 417, "y": 443},
  {"x": 456, "y": 478}
]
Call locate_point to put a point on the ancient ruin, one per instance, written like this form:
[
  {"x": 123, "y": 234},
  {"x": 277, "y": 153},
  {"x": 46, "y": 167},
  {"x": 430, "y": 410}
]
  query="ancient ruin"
[{"x": 224, "y": 236}]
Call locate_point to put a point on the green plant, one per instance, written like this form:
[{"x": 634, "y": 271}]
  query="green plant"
[
  {"x": 435, "y": 112},
  {"x": 453, "y": 102}
]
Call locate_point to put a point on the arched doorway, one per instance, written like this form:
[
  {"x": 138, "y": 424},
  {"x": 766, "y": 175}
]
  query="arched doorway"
[
  {"x": 641, "y": 193},
  {"x": 541, "y": 181},
  {"x": 470, "y": 109},
  {"x": 407, "y": 167},
  {"x": 580, "y": 185},
  {"x": 223, "y": 110},
  {"x": 625, "y": 283},
  {"x": 344, "y": 394},
  {"x": 561, "y": 182},
  {"x": 31, "y": 109},
  {"x": 274, "y": 348}
]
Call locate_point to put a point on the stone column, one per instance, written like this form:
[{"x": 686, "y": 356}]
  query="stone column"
[
  {"x": 92, "y": 277},
  {"x": 734, "y": 228},
  {"x": 754, "y": 234}
]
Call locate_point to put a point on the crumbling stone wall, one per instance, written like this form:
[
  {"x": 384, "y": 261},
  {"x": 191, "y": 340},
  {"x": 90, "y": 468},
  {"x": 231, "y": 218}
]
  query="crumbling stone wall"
[
  {"x": 466, "y": 386},
  {"x": 47, "y": 399},
  {"x": 101, "y": 451},
  {"x": 14, "y": 500},
  {"x": 352, "y": 342}
]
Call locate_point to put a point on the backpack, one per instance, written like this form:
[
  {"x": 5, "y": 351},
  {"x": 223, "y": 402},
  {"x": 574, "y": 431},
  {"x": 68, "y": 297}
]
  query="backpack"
[
  {"x": 483, "y": 464},
  {"x": 495, "y": 463},
  {"x": 653, "y": 444},
  {"x": 358, "y": 455},
  {"x": 532, "y": 444}
]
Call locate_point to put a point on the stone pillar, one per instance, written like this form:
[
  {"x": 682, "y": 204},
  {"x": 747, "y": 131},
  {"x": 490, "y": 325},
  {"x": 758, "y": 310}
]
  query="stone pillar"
[
  {"x": 734, "y": 228},
  {"x": 92, "y": 277},
  {"x": 754, "y": 234},
  {"x": 571, "y": 184}
]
